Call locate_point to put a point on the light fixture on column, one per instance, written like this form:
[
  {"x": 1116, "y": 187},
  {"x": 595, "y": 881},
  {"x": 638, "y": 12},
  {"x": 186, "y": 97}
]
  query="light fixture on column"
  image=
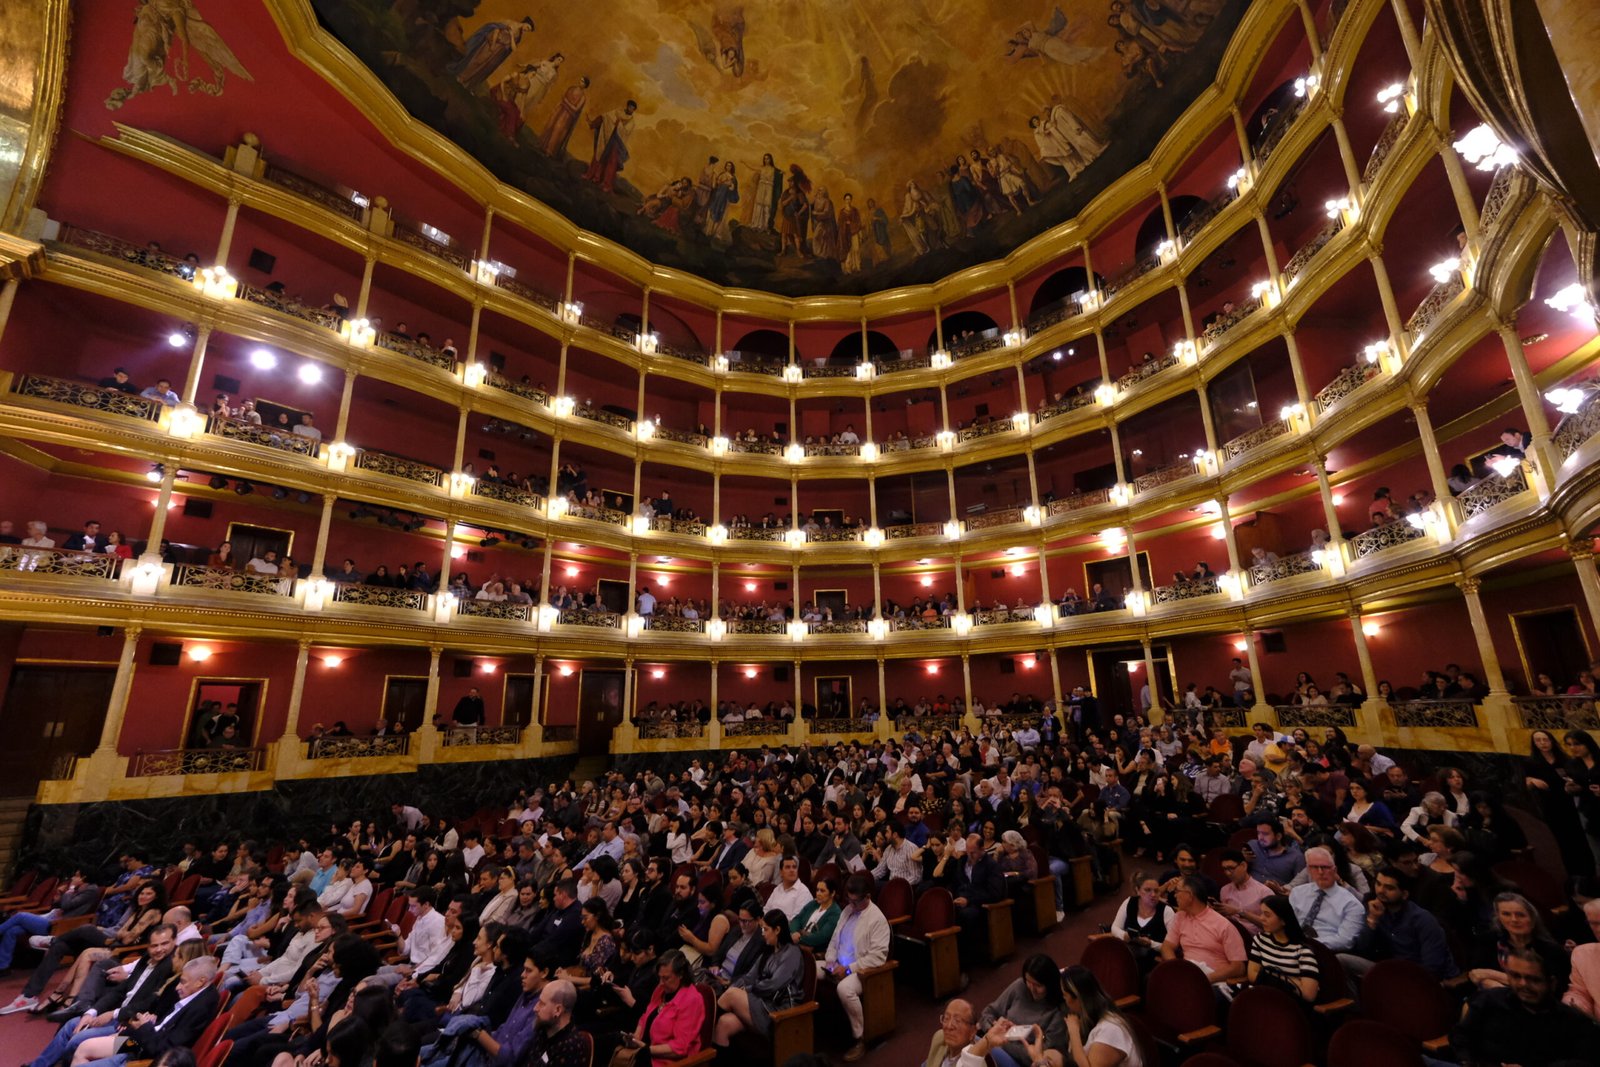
[
  {"x": 1033, "y": 515},
  {"x": 1574, "y": 300},
  {"x": 647, "y": 342},
  {"x": 1120, "y": 494},
  {"x": 644, "y": 429},
  {"x": 156, "y": 472},
  {"x": 340, "y": 455},
  {"x": 547, "y": 617},
  {"x": 719, "y": 446},
  {"x": 952, "y": 530},
  {"x": 1021, "y": 421},
  {"x": 792, "y": 373},
  {"x": 868, "y": 452},
  {"x": 873, "y": 538},
  {"x": 633, "y": 624},
  {"x": 795, "y": 453},
  {"x": 961, "y": 623},
  {"x": 1442, "y": 270},
  {"x": 1219, "y": 532},
  {"x": 183, "y": 421},
  {"x": 1185, "y": 351},
  {"x": 1134, "y": 600},
  {"x": 1013, "y": 338},
  {"x": 716, "y": 629},
  {"x": 794, "y": 537},
  {"x": 1567, "y": 401},
  {"x": 215, "y": 282},
  {"x": 474, "y": 375},
  {"x": 940, "y": 360},
  {"x": 718, "y": 364},
  {"x": 877, "y": 629},
  {"x": 1483, "y": 149},
  {"x": 1295, "y": 416},
  {"x": 177, "y": 339},
  {"x": 797, "y": 631},
  {"x": 1167, "y": 251},
  {"x": 1232, "y": 584},
  {"x": 1114, "y": 538},
  {"x": 1390, "y": 97},
  {"x": 1105, "y": 394},
  {"x": 358, "y": 332},
  {"x": 555, "y": 507},
  {"x": 1241, "y": 645},
  {"x": 946, "y": 440},
  {"x": 1381, "y": 354},
  {"x": 1089, "y": 300},
  {"x": 461, "y": 483},
  {"x": 865, "y": 371},
  {"x": 563, "y": 406},
  {"x": 1306, "y": 86},
  {"x": 641, "y": 525},
  {"x": 1044, "y": 615},
  {"x": 1265, "y": 291},
  {"x": 572, "y": 312},
  {"x": 487, "y": 271},
  {"x": 1239, "y": 180},
  {"x": 1205, "y": 461},
  {"x": 718, "y": 534}
]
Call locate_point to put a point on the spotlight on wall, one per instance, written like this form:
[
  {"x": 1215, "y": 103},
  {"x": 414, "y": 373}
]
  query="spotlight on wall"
[
  {"x": 177, "y": 338},
  {"x": 565, "y": 671},
  {"x": 658, "y": 674},
  {"x": 750, "y": 672},
  {"x": 244, "y": 488},
  {"x": 1240, "y": 646},
  {"x": 572, "y": 572},
  {"x": 1371, "y": 629},
  {"x": 933, "y": 668},
  {"x": 199, "y": 653},
  {"x": 331, "y": 661},
  {"x": 489, "y": 542},
  {"x": 156, "y": 472},
  {"x": 487, "y": 667},
  {"x": 217, "y": 481},
  {"x": 309, "y": 373},
  {"x": 262, "y": 359},
  {"x": 1133, "y": 666}
]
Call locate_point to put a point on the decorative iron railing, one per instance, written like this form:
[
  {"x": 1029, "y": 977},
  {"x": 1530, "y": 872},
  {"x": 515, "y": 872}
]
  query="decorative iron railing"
[
  {"x": 832, "y": 535},
  {"x": 1580, "y": 426},
  {"x": 420, "y": 351},
  {"x": 919, "y": 622},
  {"x": 660, "y": 730},
  {"x": 359, "y": 747},
  {"x": 972, "y": 346},
  {"x": 526, "y": 292},
  {"x": 830, "y": 449},
  {"x": 522, "y": 389},
  {"x": 25, "y": 560},
  {"x": 1066, "y": 404},
  {"x": 1155, "y": 479},
  {"x": 460, "y": 736},
  {"x": 307, "y": 189},
  {"x": 999, "y": 616},
  {"x": 1228, "y": 715},
  {"x": 1312, "y": 716},
  {"x": 674, "y": 624},
  {"x": 687, "y": 355},
  {"x": 1308, "y": 252},
  {"x": 828, "y": 370},
  {"x": 609, "y": 516},
  {"x": 377, "y": 596},
  {"x": 1127, "y": 276},
  {"x": 1245, "y": 442},
  {"x": 79, "y": 395},
  {"x": 1284, "y": 567},
  {"x": 755, "y": 448},
  {"x": 837, "y": 627},
  {"x": 598, "y": 618},
  {"x": 256, "y": 434},
  {"x": 1212, "y": 334},
  {"x": 414, "y": 238},
  {"x": 1558, "y": 713},
  {"x": 604, "y": 417},
  {"x": 758, "y": 627},
  {"x": 1435, "y": 713},
  {"x": 555, "y": 735},
  {"x": 757, "y": 533},
  {"x": 1079, "y": 501},
  {"x": 1432, "y": 306},
  {"x": 910, "y": 444},
  {"x": 1491, "y": 491},
  {"x": 667, "y": 524},
  {"x": 1386, "y": 142},
  {"x": 1497, "y": 199},
  {"x": 1058, "y": 312},
  {"x": 63, "y": 768},
  {"x": 681, "y": 437},
  {"x": 929, "y": 724},
  {"x": 913, "y": 529},
  {"x": 1187, "y": 590},
  {"x": 1344, "y": 383},
  {"x": 742, "y": 365},
  {"x": 507, "y": 493},
  {"x": 495, "y": 609},
  {"x": 1280, "y": 127},
  {"x": 126, "y": 251},
  {"x": 984, "y": 429},
  {"x": 398, "y": 467},
  {"x": 1196, "y": 220},
  {"x": 1148, "y": 369},
  {"x": 989, "y": 519},
  {"x": 291, "y": 306},
  {"x": 1380, "y": 538},
  {"x": 190, "y": 576},
  {"x": 840, "y": 726},
  {"x": 196, "y": 761}
]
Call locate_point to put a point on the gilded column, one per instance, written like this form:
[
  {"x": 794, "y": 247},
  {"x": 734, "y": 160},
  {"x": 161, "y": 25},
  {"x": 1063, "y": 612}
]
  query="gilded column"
[
  {"x": 1369, "y": 676},
  {"x": 1398, "y": 337},
  {"x": 121, "y": 690},
  {"x": 342, "y": 424},
  {"x": 1532, "y": 404},
  {"x": 158, "y": 521},
  {"x": 1258, "y": 684},
  {"x": 319, "y": 557},
  {"x": 297, "y": 689},
  {"x": 229, "y": 221},
  {"x": 1480, "y": 631},
  {"x": 1430, "y": 452},
  {"x": 1229, "y": 538},
  {"x": 1157, "y": 704},
  {"x": 8, "y": 297},
  {"x": 1582, "y": 553},
  {"x": 365, "y": 292},
  {"x": 966, "y": 689},
  {"x": 197, "y": 360},
  {"x": 430, "y": 703}
]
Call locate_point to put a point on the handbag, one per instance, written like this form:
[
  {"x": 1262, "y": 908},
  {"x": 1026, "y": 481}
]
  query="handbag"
[{"x": 625, "y": 1056}]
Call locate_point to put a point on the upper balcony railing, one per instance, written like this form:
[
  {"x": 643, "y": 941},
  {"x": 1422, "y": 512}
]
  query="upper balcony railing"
[
  {"x": 25, "y": 559},
  {"x": 1284, "y": 567},
  {"x": 1493, "y": 490},
  {"x": 313, "y": 191},
  {"x": 1557, "y": 713},
  {"x": 285, "y": 304},
  {"x": 1247, "y": 442},
  {"x": 256, "y": 434},
  {"x": 1145, "y": 370},
  {"x": 225, "y": 579},
  {"x": 1383, "y": 537},
  {"x": 412, "y": 470},
  {"x": 377, "y": 596},
  {"x": 1575, "y": 429},
  {"x": 94, "y": 398},
  {"x": 1344, "y": 383}
]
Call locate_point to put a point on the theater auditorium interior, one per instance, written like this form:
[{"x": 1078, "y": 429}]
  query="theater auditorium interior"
[{"x": 1072, "y": 545}]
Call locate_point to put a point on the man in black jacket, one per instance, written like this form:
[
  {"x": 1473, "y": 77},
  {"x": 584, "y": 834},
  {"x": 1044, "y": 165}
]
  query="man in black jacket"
[
  {"x": 560, "y": 936},
  {"x": 175, "y": 1025},
  {"x": 977, "y": 881},
  {"x": 120, "y": 1004}
]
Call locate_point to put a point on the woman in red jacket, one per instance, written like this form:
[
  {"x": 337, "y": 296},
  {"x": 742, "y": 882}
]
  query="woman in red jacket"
[{"x": 674, "y": 1022}]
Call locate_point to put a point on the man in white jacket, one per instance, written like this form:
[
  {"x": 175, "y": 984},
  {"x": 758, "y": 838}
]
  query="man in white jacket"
[{"x": 860, "y": 942}]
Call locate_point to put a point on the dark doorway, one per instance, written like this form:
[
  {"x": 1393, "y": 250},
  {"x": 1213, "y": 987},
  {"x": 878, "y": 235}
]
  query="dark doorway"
[
  {"x": 215, "y": 704},
  {"x": 1117, "y": 688},
  {"x": 614, "y": 596},
  {"x": 1551, "y": 642},
  {"x": 250, "y": 542},
  {"x": 50, "y": 712},
  {"x": 836, "y": 600},
  {"x": 833, "y": 697},
  {"x": 1116, "y": 575},
  {"x": 518, "y": 709},
  {"x": 599, "y": 710},
  {"x": 829, "y": 516},
  {"x": 404, "y": 700}
]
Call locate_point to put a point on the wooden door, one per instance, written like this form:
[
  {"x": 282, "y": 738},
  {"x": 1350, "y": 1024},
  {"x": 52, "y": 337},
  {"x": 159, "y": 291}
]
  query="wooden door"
[
  {"x": 518, "y": 709},
  {"x": 1551, "y": 641},
  {"x": 404, "y": 700},
  {"x": 599, "y": 710},
  {"x": 50, "y": 712}
]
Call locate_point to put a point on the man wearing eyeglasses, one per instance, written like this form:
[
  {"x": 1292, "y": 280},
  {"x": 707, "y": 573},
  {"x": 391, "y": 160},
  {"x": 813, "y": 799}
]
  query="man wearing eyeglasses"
[
  {"x": 1327, "y": 910},
  {"x": 958, "y": 1028}
]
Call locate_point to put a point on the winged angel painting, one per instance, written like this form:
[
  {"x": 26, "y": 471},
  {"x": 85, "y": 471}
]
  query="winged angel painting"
[
  {"x": 797, "y": 147},
  {"x": 167, "y": 36}
]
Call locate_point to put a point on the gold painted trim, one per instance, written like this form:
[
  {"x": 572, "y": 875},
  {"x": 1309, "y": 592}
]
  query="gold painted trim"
[
  {"x": 44, "y": 121},
  {"x": 383, "y": 704},
  {"x": 194, "y": 689},
  {"x": 1556, "y": 609},
  {"x": 33, "y": 662}
]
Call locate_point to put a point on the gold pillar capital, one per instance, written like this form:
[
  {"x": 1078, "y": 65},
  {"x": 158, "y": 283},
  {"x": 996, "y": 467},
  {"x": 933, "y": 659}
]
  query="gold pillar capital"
[
  {"x": 303, "y": 644},
  {"x": 1581, "y": 551},
  {"x": 1469, "y": 585}
]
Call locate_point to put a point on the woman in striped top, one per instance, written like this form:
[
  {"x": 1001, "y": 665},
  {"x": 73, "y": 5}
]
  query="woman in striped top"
[{"x": 1279, "y": 955}]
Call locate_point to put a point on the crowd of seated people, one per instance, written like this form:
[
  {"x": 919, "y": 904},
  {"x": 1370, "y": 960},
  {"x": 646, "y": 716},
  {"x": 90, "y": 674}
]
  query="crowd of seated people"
[
  {"x": 593, "y": 908},
  {"x": 90, "y": 539}
]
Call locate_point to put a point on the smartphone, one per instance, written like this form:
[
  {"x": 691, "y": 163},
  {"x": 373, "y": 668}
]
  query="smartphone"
[{"x": 1019, "y": 1033}]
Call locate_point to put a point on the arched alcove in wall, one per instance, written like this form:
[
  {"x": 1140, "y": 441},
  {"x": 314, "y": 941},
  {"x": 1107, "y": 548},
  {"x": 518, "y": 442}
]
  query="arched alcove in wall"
[
  {"x": 763, "y": 344},
  {"x": 673, "y": 331},
  {"x": 1060, "y": 286},
  {"x": 961, "y": 324},
  {"x": 1269, "y": 113}
]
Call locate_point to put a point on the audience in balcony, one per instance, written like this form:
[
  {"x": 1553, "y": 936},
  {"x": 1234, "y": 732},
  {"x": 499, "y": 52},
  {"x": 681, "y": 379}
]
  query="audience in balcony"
[
  {"x": 121, "y": 382},
  {"x": 162, "y": 391}
]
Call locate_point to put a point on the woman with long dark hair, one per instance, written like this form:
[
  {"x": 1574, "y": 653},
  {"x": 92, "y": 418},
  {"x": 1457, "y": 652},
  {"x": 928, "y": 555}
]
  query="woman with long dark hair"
[
  {"x": 1279, "y": 956},
  {"x": 1034, "y": 999},
  {"x": 775, "y": 982},
  {"x": 1097, "y": 1034},
  {"x": 1545, "y": 774}
]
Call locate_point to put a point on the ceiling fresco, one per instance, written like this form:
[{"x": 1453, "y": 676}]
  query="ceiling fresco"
[{"x": 799, "y": 146}]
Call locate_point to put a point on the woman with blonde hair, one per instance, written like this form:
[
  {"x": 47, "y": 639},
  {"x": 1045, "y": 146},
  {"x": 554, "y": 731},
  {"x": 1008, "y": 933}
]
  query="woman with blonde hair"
[{"x": 761, "y": 862}]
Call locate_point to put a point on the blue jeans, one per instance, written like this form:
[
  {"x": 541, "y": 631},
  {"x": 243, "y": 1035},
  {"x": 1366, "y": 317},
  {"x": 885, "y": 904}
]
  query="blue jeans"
[
  {"x": 1059, "y": 869},
  {"x": 66, "y": 1042},
  {"x": 22, "y": 924}
]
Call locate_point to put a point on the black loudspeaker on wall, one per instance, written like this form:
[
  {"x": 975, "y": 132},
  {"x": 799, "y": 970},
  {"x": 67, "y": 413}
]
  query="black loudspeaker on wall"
[
  {"x": 461, "y": 668},
  {"x": 165, "y": 654},
  {"x": 1272, "y": 641},
  {"x": 1008, "y": 666},
  {"x": 195, "y": 508},
  {"x": 780, "y": 674}
]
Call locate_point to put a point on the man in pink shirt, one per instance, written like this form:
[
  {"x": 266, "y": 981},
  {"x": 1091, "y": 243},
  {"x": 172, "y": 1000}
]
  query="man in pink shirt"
[
  {"x": 1584, "y": 992},
  {"x": 1241, "y": 893},
  {"x": 1205, "y": 938}
]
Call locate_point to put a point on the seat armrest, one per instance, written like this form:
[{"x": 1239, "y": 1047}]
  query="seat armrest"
[
  {"x": 1437, "y": 1044},
  {"x": 1342, "y": 1004},
  {"x": 61, "y": 926},
  {"x": 883, "y": 968},
  {"x": 795, "y": 1012},
  {"x": 1202, "y": 1034},
  {"x": 1132, "y": 1000}
]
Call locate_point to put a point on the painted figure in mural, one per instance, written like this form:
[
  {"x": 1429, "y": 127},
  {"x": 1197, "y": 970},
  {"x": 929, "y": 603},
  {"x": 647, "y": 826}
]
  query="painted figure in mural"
[
  {"x": 672, "y": 206},
  {"x": 506, "y": 94},
  {"x": 1053, "y": 42},
  {"x": 489, "y": 46},
  {"x": 558, "y": 131},
  {"x": 1158, "y": 23},
  {"x": 1013, "y": 184},
  {"x": 723, "y": 43},
  {"x": 157, "y": 26},
  {"x": 542, "y": 76},
  {"x": 964, "y": 196},
  {"x": 793, "y": 208},
  {"x": 824, "y": 226},
  {"x": 611, "y": 132},
  {"x": 850, "y": 235},
  {"x": 914, "y": 216},
  {"x": 724, "y": 193},
  {"x": 879, "y": 220},
  {"x": 1065, "y": 140},
  {"x": 769, "y": 186},
  {"x": 703, "y": 187}
]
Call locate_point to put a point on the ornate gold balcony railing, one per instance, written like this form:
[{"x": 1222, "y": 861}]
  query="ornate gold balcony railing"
[
  {"x": 758, "y": 627},
  {"x": 597, "y": 618},
  {"x": 757, "y": 533},
  {"x": 681, "y": 437},
  {"x": 537, "y": 297},
  {"x": 495, "y": 609},
  {"x": 1381, "y": 538},
  {"x": 1247, "y": 442},
  {"x": 507, "y": 493},
  {"x": 359, "y": 747},
  {"x": 80, "y": 395},
  {"x": 911, "y": 444},
  {"x": 1212, "y": 335},
  {"x": 658, "y": 729},
  {"x": 1161, "y": 476},
  {"x": 755, "y": 448},
  {"x": 1001, "y": 616},
  {"x": 415, "y": 238},
  {"x": 913, "y": 529},
  {"x": 288, "y": 305},
  {"x": 1493, "y": 490},
  {"x": 1386, "y": 142},
  {"x": 1315, "y": 716},
  {"x": 1284, "y": 567},
  {"x": 313, "y": 191},
  {"x": 522, "y": 389},
  {"x": 775, "y": 728},
  {"x": 1344, "y": 383},
  {"x": 1460, "y": 714},
  {"x": 609, "y": 516},
  {"x": 1432, "y": 306},
  {"x": 1146, "y": 370},
  {"x": 377, "y": 596},
  {"x": 22, "y": 559},
  {"x": 988, "y": 520},
  {"x": 903, "y": 623},
  {"x": 1302, "y": 258},
  {"x": 126, "y": 251},
  {"x": 1580, "y": 426},
  {"x": 420, "y": 351},
  {"x": 411, "y": 470},
  {"x": 1079, "y": 501},
  {"x": 196, "y": 761},
  {"x": 1187, "y": 590},
  {"x": 840, "y": 726},
  {"x": 674, "y": 624},
  {"x": 460, "y": 736},
  {"x": 831, "y": 449},
  {"x": 985, "y": 429},
  {"x": 838, "y": 627},
  {"x": 1557, "y": 713},
  {"x": 1066, "y": 405},
  {"x": 190, "y": 576},
  {"x": 256, "y": 434}
]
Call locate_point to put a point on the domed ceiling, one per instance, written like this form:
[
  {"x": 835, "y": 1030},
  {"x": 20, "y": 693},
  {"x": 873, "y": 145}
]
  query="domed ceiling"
[{"x": 799, "y": 146}]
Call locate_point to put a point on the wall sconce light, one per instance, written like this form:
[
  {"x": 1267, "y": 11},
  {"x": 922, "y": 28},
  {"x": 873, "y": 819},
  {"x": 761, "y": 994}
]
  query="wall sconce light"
[
  {"x": 1089, "y": 300},
  {"x": 1232, "y": 584},
  {"x": 443, "y": 605},
  {"x": 792, "y": 373},
  {"x": 215, "y": 282},
  {"x": 644, "y": 429},
  {"x": 1121, "y": 493},
  {"x": 547, "y": 617},
  {"x": 1484, "y": 150},
  {"x": 1029, "y": 663},
  {"x": 716, "y": 629},
  {"x": 795, "y": 453},
  {"x": 1295, "y": 416},
  {"x": 1241, "y": 646},
  {"x": 1135, "y": 602},
  {"x": 1370, "y": 628},
  {"x": 458, "y": 551},
  {"x": 263, "y": 359},
  {"x": 1574, "y": 300},
  {"x": 1264, "y": 291},
  {"x": 926, "y": 581},
  {"x": 718, "y": 534},
  {"x": 339, "y": 455},
  {"x": 932, "y": 668},
  {"x": 572, "y": 312},
  {"x": 1205, "y": 461},
  {"x": 156, "y": 472},
  {"x": 873, "y": 538},
  {"x": 359, "y": 332},
  {"x": 647, "y": 342},
  {"x": 641, "y": 525},
  {"x": 1390, "y": 96},
  {"x": 1013, "y": 338},
  {"x": 633, "y": 624},
  {"x": 1018, "y": 570},
  {"x": 1114, "y": 538},
  {"x": 1219, "y": 532},
  {"x": 555, "y": 507},
  {"x": 657, "y": 673},
  {"x": 961, "y": 623},
  {"x": 563, "y": 406},
  {"x": 1133, "y": 666},
  {"x": 1021, "y": 422},
  {"x": 1033, "y": 515},
  {"x": 184, "y": 421},
  {"x": 177, "y": 339},
  {"x": 940, "y": 360},
  {"x": 1186, "y": 353},
  {"x": 865, "y": 371},
  {"x": 331, "y": 661},
  {"x": 719, "y": 446},
  {"x": 1304, "y": 87},
  {"x": 952, "y": 530},
  {"x": 314, "y": 593},
  {"x": 1566, "y": 401},
  {"x": 1336, "y": 208},
  {"x": 474, "y": 375},
  {"x": 869, "y": 452},
  {"x": 1239, "y": 180},
  {"x": 794, "y": 537},
  {"x": 719, "y": 364},
  {"x": 1167, "y": 251},
  {"x": 797, "y": 630},
  {"x": 461, "y": 483},
  {"x": 572, "y": 572},
  {"x": 1442, "y": 270},
  {"x": 486, "y": 667},
  {"x": 485, "y": 271},
  {"x": 750, "y": 672},
  {"x": 309, "y": 373},
  {"x": 877, "y": 629},
  {"x": 946, "y": 440},
  {"x": 564, "y": 670},
  {"x": 1330, "y": 559},
  {"x": 1105, "y": 394},
  {"x": 198, "y": 653}
]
